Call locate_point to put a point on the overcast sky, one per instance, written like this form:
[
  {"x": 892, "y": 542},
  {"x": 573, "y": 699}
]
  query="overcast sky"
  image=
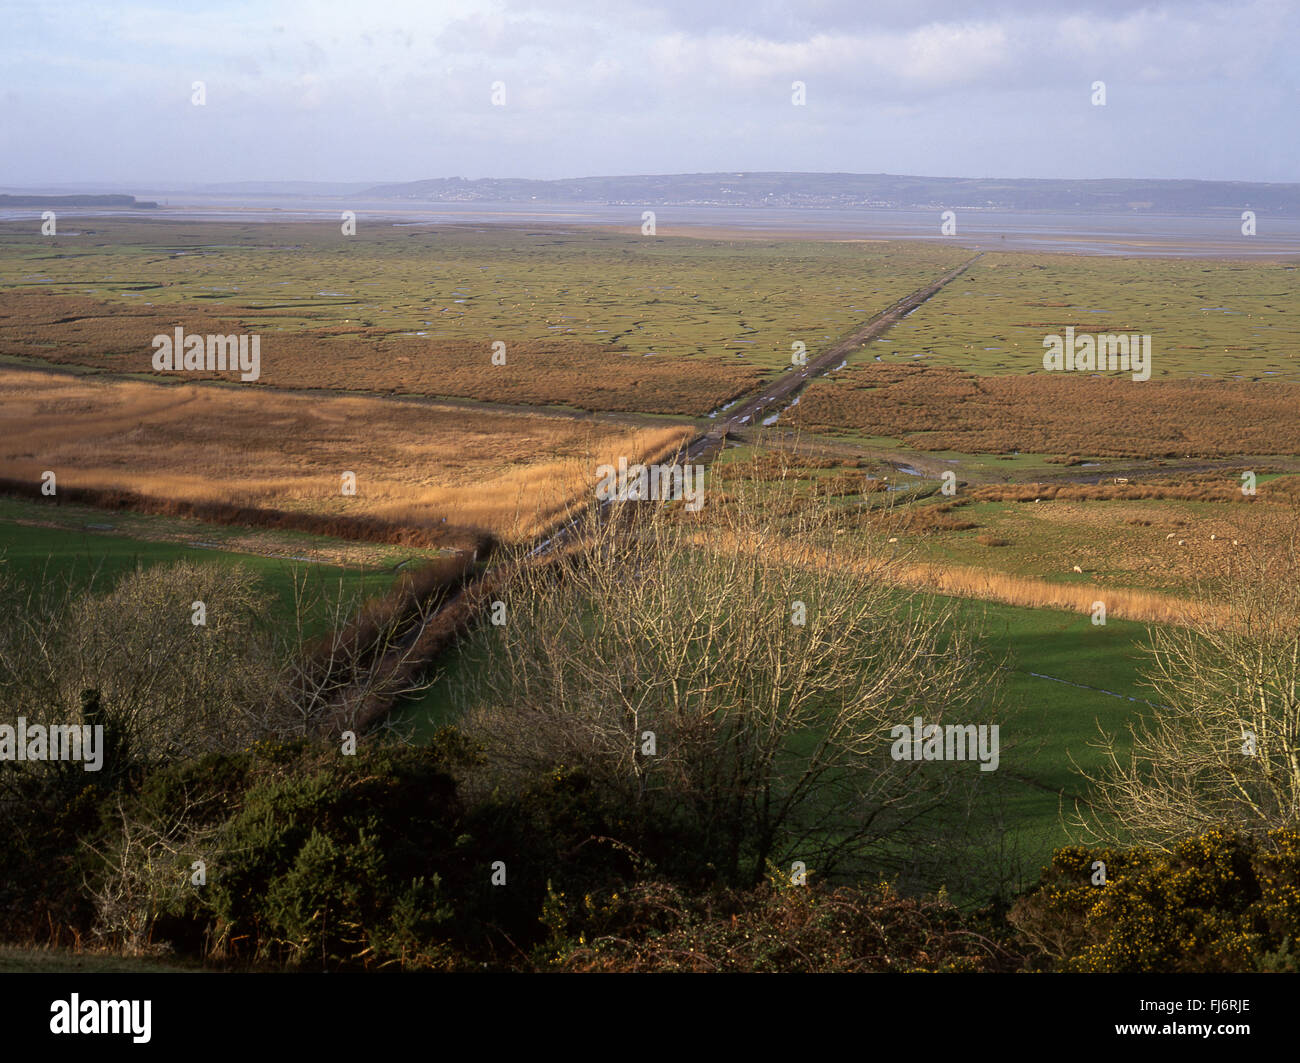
[{"x": 393, "y": 91}]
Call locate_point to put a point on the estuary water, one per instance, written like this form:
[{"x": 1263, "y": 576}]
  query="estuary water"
[{"x": 1133, "y": 233}]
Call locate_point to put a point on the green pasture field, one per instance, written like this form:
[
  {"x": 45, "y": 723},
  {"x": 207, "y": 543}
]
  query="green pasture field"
[
  {"x": 269, "y": 543},
  {"x": 1206, "y": 317},
  {"x": 88, "y": 557},
  {"x": 1052, "y": 721}
]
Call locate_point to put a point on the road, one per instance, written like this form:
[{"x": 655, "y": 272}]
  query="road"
[{"x": 777, "y": 394}]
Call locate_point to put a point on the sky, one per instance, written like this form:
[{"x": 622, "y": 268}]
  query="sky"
[{"x": 102, "y": 94}]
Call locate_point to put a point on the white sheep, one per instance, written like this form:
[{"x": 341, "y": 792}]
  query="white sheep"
[
  {"x": 1078, "y": 569},
  {"x": 1182, "y": 542},
  {"x": 1213, "y": 537},
  {"x": 1170, "y": 535}
]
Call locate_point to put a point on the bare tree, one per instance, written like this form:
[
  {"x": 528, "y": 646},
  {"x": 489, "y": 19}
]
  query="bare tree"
[
  {"x": 183, "y": 659},
  {"x": 741, "y": 669},
  {"x": 146, "y": 872},
  {"x": 344, "y": 677},
  {"x": 135, "y": 658},
  {"x": 1220, "y": 745}
]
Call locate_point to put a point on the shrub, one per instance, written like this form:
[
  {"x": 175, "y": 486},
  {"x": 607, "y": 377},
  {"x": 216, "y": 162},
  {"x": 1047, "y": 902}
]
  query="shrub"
[
  {"x": 772, "y": 928},
  {"x": 1217, "y": 902}
]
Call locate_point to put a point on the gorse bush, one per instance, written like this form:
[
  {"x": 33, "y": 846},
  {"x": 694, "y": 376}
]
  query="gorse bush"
[
  {"x": 1216, "y": 902},
  {"x": 341, "y": 862},
  {"x": 311, "y": 864}
]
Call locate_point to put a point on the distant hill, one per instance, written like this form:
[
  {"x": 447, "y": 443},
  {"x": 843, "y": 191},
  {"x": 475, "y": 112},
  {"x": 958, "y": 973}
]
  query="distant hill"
[
  {"x": 75, "y": 201},
  {"x": 284, "y": 188},
  {"x": 1117, "y": 195}
]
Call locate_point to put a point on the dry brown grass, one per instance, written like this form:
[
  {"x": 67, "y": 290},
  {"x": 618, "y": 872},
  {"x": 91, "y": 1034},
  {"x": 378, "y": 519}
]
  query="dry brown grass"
[
  {"x": 77, "y": 330},
  {"x": 940, "y": 408},
  {"x": 921, "y": 519},
  {"x": 1220, "y": 487},
  {"x": 964, "y": 581},
  {"x": 1122, "y": 603},
  {"x": 415, "y": 463}
]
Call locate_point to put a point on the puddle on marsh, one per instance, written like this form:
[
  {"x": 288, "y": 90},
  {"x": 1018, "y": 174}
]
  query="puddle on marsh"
[{"x": 774, "y": 417}]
